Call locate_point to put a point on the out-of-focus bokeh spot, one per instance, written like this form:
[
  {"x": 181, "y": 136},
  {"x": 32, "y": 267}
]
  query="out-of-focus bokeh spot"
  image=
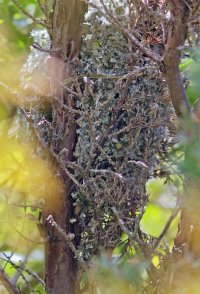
[{"x": 25, "y": 172}]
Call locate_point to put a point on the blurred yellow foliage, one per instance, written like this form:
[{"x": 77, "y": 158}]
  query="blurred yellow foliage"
[
  {"x": 10, "y": 64},
  {"x": 23, "y": 171}
]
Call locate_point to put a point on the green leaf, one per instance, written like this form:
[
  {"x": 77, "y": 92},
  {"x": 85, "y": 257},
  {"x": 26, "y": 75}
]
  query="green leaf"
[{"x": 185, "y": 64}]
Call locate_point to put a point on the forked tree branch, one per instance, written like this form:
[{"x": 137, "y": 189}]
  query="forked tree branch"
[{"x": 35, "y": 20}]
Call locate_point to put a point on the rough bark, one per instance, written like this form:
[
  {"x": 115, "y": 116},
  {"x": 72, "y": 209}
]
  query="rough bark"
[
  {"x": 66, "y": 26},
  {"x": 186, "y": 242},
  {"x": 65, "y": 32},
  {"x": 175, "y": 42}
]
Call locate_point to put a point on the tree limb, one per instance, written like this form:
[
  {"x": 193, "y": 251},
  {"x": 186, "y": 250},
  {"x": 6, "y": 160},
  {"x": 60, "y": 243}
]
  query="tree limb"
[
  {"x": 7, "y": 283},
  {"x": 35, "y": 20},
  {"x": 175, "y": 41}
]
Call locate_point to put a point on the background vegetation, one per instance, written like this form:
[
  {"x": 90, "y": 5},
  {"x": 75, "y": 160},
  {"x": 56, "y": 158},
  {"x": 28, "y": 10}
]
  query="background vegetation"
[{"x": 24, "y": 173}]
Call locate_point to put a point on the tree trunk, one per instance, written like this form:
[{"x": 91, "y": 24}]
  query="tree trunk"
[{"x": 65, "y": 31}]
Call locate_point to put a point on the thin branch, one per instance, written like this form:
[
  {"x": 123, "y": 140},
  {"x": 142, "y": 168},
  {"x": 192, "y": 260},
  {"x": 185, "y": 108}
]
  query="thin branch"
[
  {"x": 35, "y": 20},
  {"x": 42, "y": 8},
  {"x": 41, "y": 49},
  {"x": 155, "y": 57},
  {"x": 14, "y": 227},
  {"x": 8, "y": 259},
  {"x": 67, "y": 238},
  {"x": 7, "y": 283},
  {"x": 19, "y": 270},
  {"x": 66, "y": 170},
  {"x": 167, "y": 225},
  {"x": 107, "y": 171},
  {"x": 8, "y": 88},
  {"x": 122, "y": 225},
  {"x": 30, "y": 273},
  {"x": 158, "y": 16},
  {"x": 51, "y": 152}
]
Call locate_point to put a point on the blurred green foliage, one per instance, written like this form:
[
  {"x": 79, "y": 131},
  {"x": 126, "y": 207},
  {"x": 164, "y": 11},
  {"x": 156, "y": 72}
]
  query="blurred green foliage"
[
  {"x": 190, "y": 67},
  {"x": 189, "y": 147},
  {"x": 16, "y": 25},
  {"x": 121, "y": 277}
]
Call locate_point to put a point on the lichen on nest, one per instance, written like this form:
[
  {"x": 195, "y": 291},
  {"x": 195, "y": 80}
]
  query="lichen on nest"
[{"x": 123, "y": 126}]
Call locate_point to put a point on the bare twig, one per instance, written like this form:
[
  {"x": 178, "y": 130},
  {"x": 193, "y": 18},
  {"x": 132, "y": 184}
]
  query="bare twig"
[
  {"x": 67, "y": 238},
  {"x": 41, "y": 49},
  {"x": 19, "y": 269},
  {"x": 167, "y": 225},
  {"x": 66, "y": 170},
  {"x": 14, "y": 227},
  {"x": 7, "y": 283},
  {"x": 42, "y": 8},
  {"x": 158, "y": 16},
  {"x": 29, "y": 272},
  {"x": 156, "y": 58},
  {"x": 8, "y": 88},
  {"x": 35, "y": 20},
  {"x": 122, "y": 225},
  {"x": 107, "y": 171}
]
